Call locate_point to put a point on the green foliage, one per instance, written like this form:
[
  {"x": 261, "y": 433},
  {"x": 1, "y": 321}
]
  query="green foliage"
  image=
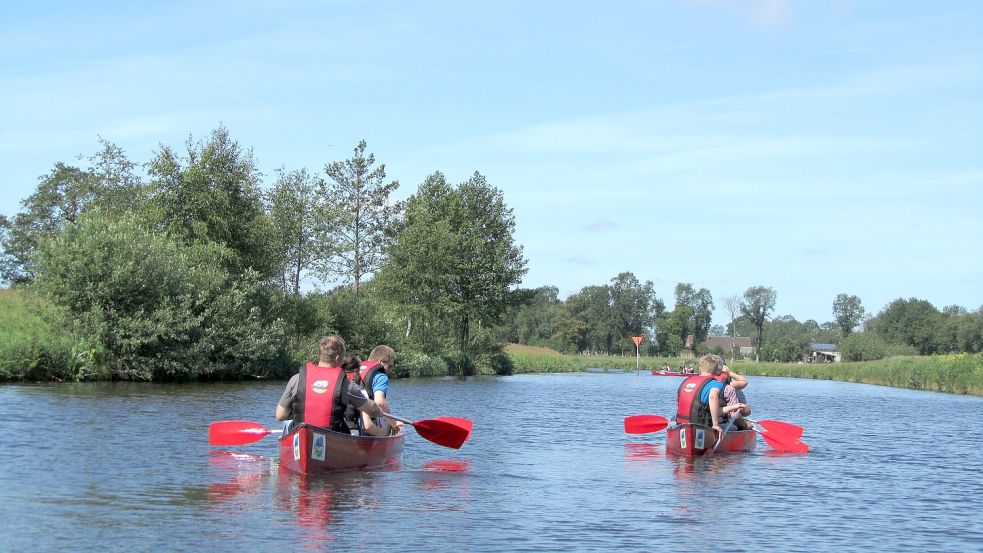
[
  {"x": 158, "y": 309},
  {"x": 848, "y": 311},
  {"x": 759, "y": 301},
  {"x": 363, "y": 214},
  {"x": 914, "y": 322},
  {"x": 453, "y": 260},
  {"x": 212, "y": 196},
  {"x": 416, "y": 364},
  {"x": 35, "y": 343},
  {"x": 869, "y": 346},
  {"x": 299, "y": 227},
  {"x": 960, "y": 373}
]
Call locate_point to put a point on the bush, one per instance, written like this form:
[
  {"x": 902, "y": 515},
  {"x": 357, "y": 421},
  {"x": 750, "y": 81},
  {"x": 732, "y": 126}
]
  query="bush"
[
  {"x": 157, "y": 309},
  {"x": 416, "y": 364},
  {"x": 869, "y": 346}
]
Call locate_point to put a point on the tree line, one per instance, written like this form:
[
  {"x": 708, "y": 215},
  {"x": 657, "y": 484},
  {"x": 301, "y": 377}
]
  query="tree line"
[
  {"x": 197, "y": 269},
  {"x": 601, "y": 319}
]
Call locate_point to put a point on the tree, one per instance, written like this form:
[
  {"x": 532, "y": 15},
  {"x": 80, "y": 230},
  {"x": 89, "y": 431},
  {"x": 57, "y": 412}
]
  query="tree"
[
  {"x": 912, "y": 321},
  {"x": 631, "y": 307},
  {"x": 360, "y": 199},
  {"x": 158, "y": 309},
  {"x": 212, "y": 195},
  {"x": 759, "y": 301},
  {"x": 453, "y": 255},
  {"x": 700, "y": 304},
  {"x": 848, "y": 312},
  {"x": 732, "y": 304},
  {"x": 295, "y": 208}
]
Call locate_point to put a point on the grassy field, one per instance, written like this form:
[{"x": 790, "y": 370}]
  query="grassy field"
[
  {"x": 35, "y": 345},
  {"x": 959, "y": 373}
]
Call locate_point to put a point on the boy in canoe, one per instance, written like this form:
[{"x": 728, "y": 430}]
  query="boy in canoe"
[
  {"x": 319, "y": 394},
  {"x": 373, "y": 376},
  {"x": 735, "y": 402}
]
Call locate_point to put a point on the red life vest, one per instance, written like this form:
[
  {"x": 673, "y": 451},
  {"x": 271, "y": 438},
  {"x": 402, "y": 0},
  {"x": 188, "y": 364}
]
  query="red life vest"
[
  {"x": 366, "y": 372},
  {"x": 690, "y": 408},
  {"x": 318, "y": 400}
]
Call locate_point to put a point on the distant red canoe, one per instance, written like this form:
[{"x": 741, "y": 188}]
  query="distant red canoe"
[
  {"x": 669, "y": 373},
  {"x": 695, "y": 440},
  {"x": 310, "y": 449}
]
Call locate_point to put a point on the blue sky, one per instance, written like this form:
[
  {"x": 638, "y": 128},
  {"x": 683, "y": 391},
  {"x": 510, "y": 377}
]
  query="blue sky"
[{"x": 814, "y": 147}]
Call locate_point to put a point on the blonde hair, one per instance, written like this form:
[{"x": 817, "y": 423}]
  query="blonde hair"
[{"x": 708, "y": 363}]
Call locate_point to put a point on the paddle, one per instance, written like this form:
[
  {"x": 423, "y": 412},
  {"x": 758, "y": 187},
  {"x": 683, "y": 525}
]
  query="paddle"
[
  {"x": 446, "y": 431},
  {"x": 780, "y": 427},
  {"x": 237, "y": 432},
  {"x": 783, "y": 442},
  {"x": 644, "y": 424}
]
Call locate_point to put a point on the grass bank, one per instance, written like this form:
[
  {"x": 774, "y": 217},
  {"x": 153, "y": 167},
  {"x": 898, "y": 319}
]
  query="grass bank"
[
  {"x": 35, "y": 345},
  {"x": 958, "y": 374}
]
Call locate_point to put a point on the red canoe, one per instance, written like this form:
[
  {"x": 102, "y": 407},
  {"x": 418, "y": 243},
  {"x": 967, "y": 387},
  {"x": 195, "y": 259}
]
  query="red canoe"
[
  {"x": 314, "y": 450},
  {"x": 669, "y": 373},
  {"x": 694, "y": 440}
]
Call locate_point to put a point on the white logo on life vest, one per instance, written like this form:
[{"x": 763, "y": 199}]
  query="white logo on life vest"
[
  {"x": 319, "y": 386},
  {"x": 689, "y": 387}
]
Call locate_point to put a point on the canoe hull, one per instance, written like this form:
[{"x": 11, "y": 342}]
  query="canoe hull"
[
  {"x": 310, "y": 449},
  {"x": 696, "y": 440},
  {"x": 660, "y": 373}
]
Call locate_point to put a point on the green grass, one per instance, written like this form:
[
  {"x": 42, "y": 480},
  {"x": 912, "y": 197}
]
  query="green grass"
[
  {"x": 36, "y": 345},
  {"x": 959, "y": 374}
]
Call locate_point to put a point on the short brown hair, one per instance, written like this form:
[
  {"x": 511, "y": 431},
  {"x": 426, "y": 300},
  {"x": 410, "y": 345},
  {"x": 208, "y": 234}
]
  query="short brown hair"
[
  {"x": 383, "y": 354},
  {"x": 329, "y": 348}
]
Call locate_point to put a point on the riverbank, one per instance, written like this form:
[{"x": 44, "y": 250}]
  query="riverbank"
[{"x": 958, "y": 373}]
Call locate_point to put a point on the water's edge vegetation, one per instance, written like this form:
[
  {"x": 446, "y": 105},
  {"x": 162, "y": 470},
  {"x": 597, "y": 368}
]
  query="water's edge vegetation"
[
  {"x": 36, "y": 347},
  {"x": 959, "y": 374}
]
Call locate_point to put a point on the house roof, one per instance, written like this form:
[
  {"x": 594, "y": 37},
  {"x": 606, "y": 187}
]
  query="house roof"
[
  {"x": 725, "y": 341},
  {"x": 822, "y": 347}
]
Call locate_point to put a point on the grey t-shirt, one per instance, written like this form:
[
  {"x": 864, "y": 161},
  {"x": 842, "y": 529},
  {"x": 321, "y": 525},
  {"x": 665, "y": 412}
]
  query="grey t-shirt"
[{"x": 351, "y": 394}]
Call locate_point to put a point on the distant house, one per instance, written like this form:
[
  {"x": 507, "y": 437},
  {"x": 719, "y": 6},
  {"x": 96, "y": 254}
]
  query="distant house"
[
  {"x": 823, "y": 353},
  {"x": 725, "y": 343}
]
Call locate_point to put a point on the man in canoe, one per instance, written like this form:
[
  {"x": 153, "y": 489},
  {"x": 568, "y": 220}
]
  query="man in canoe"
[{"x": 319, "y": 394}]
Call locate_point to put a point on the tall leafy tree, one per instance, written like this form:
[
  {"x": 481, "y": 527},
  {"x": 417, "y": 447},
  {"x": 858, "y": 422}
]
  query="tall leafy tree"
[
  {"x": 910, "y": 321},
  {"x": 299, "y": 225},
  {"x": 700, "y": 308},
  {"x": 759, "y": 301},
  {"x": 454, "y": 254},
  {"x": 848, "y": 312},
  {"x": 632, "y": 306},
  {"x": 360, "y": 196},
  {"x": 212, "y": 195}
]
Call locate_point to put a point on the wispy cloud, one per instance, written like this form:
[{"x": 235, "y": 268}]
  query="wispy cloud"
[
  {"x": 766, "y": 14},
  {"x": 601, "y": 225},
  {"x": 580, "y": 260}
]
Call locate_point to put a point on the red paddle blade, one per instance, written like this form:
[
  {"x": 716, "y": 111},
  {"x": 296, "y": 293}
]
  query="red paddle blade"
[
  {"x": 644, "y": 424},
  {"x": 781, "y": 442},
  {"x": 781, "y": 427},
  {"x": 446, "y": 431},
  {"x": 236, "y": 432}
]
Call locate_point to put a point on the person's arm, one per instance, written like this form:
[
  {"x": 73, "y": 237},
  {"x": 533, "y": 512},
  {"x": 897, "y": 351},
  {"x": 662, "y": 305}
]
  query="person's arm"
[
  {"x": 714, "y": 404},
  {"x": 354, "y": 395},
  {"x": 736, "y": 380},
  {"x": 283, "y": 407}
]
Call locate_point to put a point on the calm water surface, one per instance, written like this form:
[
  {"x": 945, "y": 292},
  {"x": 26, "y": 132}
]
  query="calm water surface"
[{"x": 126, "y": 467}]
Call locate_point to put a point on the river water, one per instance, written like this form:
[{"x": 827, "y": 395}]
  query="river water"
[{"x": 127, "y": 467}]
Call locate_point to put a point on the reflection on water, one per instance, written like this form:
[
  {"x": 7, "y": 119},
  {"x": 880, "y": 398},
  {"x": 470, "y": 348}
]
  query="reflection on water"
[{"x": 568, "y": 481}]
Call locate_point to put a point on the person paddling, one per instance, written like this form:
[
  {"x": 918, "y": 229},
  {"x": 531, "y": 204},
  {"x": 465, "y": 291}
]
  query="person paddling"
[
  {"x": 699, "y": 399},
  {"x": 319, "y": 393},
  {"x": 374, "y": 376}
]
